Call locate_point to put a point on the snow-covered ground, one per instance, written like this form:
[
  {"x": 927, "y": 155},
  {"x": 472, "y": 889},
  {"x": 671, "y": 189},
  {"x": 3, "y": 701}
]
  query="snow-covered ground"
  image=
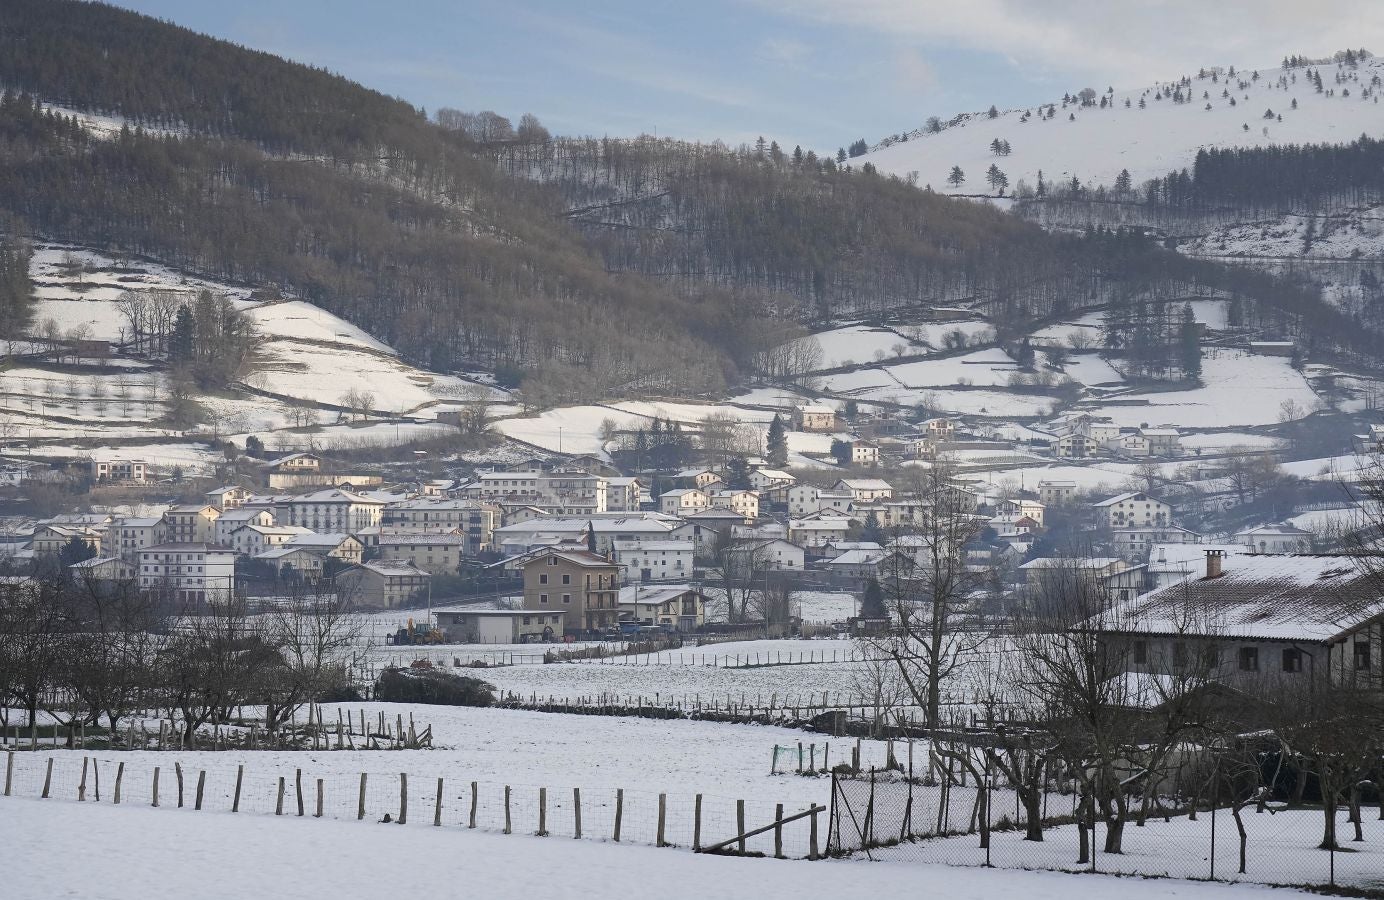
[
  {"x": 130, "y": 852},
  {"x": 1094, "y": 144},
  {"x": 1238, "y": 390}
]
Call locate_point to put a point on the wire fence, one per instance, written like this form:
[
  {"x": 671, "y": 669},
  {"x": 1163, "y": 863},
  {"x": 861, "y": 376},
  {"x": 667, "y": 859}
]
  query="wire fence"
[
  {"x": 887, "y": 815},
  {"x": 215, "y": 783}
]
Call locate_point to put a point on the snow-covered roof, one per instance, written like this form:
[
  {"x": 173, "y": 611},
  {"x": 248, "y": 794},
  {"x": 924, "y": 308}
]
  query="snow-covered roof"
[
  {"x": 1128, "y": 495},
  {"x": 857, "y": 558},
  {"x": 1282, "y": 529},
  {"x": 1056, "y": 562},
  {"x": 649, "y": 593},
  {"x": 866, "y": 484},
  {"x": 1286, "y": 597}
]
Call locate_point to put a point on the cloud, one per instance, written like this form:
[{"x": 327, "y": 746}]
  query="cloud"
[
  {"x": 915, "y": 75},
  {"x": 786, "y": 51},
  {"x": 1127, "y": 40}
]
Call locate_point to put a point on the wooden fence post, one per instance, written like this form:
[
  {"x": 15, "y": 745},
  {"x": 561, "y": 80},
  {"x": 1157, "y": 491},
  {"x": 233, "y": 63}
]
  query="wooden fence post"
[
  {"x": 437, "y": 807},
  {"x": 279, "y": 803},
  {"x": 298, "y": 782},
  {"x": 662, "y": 817},
  {"x": 475, "y": 801},
  {"x": 778, "y": 831},
  {"x": 740, "y": 824},
  {"x": 360, "y": 805},
  {"x": 239, "y": 777},
  {"x": 697, "y": 824},
  {"x": 403, "y": 798},
  {"x": 96, "y": 778},
  {"x": 542, "y": 811},
  {"x": 619, "y": 811},
  {"x": 81, "y": 785},
  {"x": 507, "y": 822},
  {"x": 201, "y": 783},
  {"x": 156, "y": 785},
  {"x": 9, "y": 771},
  {"x": 178, "y": 771},
  {"x": 576, "y": 813},
  {"x": 812, "y": 837},
  {"x": 48, "y": 779},
  {"x": 320, "y": 792},
  {"x": 119, "y": 774}
]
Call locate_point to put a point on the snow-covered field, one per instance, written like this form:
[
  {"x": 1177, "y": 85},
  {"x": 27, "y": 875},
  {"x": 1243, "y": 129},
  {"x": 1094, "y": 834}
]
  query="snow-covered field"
[
  {"x": 131, "y": 852},
  {"x": 1094, "y": 144},
  {"x": 1239, "y": 390}
]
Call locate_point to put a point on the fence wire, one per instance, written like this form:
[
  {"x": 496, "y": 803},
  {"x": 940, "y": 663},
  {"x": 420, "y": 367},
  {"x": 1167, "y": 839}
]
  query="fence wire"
[
  {"x": 228, "y": 786},
  {"x": 886, "y": 815}
]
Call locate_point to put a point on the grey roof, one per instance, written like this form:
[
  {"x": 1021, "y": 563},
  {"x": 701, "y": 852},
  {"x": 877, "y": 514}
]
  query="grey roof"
[{"x": 1269, "y": 596}]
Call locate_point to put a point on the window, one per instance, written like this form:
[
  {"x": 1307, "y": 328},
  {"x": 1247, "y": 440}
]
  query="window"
[
  {"x": 552, "y": 560},
  {"x": 1362, "y": 655},
  {"x": 542, "y": 598},
  {"x": 1141, "y": 652},
  {"x": 543, "y": 578},
  {"x": 526, "y": 620},
  {"x": 566, "y": 598},
  {"x": 1249, "y": 659},
  {"x": 1292, "y": 660},
  {"x": 566, "y": 579}
]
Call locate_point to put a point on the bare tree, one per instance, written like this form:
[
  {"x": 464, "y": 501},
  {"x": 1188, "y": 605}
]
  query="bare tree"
[
  {"x": 928, "y": 586},
  {"x": 314, "y": 635},
  {"x": 741, "y": 565}
]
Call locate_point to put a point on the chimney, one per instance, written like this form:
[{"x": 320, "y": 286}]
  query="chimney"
[{"x": 1213, "y": 563}]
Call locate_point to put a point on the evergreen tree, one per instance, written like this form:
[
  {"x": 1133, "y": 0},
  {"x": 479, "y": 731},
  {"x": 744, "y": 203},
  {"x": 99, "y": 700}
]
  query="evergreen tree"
[
  {"x": 957, "y": 177},
  {"x": 1123, "y": 182},
  {"x": 776, "y": 444},
  {"x": 1024, "y": 355},
  {"x": 75, "y": 551},
  {"x": 184, "y": 338},
  {"x": 1190, "y": 344},
  {"x": 737, "y": 473},
  {"x": 872, "y": 601},
  {"x": 872, "y": 530},
  {"x": 254, "y": 447},
  {"x": 841, "y": 451},
  {"x": 591, "y": 537}
]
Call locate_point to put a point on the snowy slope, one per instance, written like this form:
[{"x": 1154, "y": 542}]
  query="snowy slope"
[{"x": 1149, "y": 142}]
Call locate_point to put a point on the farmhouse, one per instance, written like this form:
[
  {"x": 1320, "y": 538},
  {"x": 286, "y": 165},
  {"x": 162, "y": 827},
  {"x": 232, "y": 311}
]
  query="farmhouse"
[
  {"x": 1133, "y": 509},
  {"x": 1275, "y": 619},
  {"x": 814, "y": 417},
  {"x": 383, "y": 582}
]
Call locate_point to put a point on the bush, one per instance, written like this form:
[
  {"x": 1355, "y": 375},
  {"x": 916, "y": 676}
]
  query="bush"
[{"x": 429, "y": 685}]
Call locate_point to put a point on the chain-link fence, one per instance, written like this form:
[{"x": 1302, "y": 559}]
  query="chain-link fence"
[
  {"x": 887, "y": 815},
  {"x": 219, "y": 783}
]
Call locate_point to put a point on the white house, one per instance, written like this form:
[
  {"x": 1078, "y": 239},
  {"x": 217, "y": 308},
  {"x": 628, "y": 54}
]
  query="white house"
[
  {"x": 127, "y": 536},
  {"x": 681, "y": 501},
  {"x": 1133, "y": 509},
  {"x": 332, "y": 510},
  {"x": 655, "y": 560},
  {"x": 1279, "y": 538},
  {"x": 818, "y": 531},
  {"x": 746, "y": 503},
  {"x": 1056, "y": 493},
  {"x": 866, "y": 490},
  {"x": 192, "y": 572}
]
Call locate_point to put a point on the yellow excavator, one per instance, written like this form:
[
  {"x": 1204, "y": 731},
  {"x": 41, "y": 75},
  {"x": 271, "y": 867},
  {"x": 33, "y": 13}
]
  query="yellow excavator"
[{"x": 415, "y": 635}]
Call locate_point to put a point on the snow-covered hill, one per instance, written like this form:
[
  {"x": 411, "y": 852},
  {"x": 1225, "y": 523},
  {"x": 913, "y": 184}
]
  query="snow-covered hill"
[{"x": 1145, "y": 130}]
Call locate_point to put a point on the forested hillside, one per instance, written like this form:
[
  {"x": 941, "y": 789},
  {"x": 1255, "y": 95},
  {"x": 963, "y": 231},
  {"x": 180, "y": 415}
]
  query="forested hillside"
[{"x": 586, "y": 268}]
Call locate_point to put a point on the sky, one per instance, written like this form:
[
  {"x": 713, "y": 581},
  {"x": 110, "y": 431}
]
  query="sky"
[{"x": 815, "y": 73}]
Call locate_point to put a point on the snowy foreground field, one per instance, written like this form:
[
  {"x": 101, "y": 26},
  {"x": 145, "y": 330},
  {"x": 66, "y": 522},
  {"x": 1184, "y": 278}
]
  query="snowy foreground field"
[{"x": 104, "y": 852}]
